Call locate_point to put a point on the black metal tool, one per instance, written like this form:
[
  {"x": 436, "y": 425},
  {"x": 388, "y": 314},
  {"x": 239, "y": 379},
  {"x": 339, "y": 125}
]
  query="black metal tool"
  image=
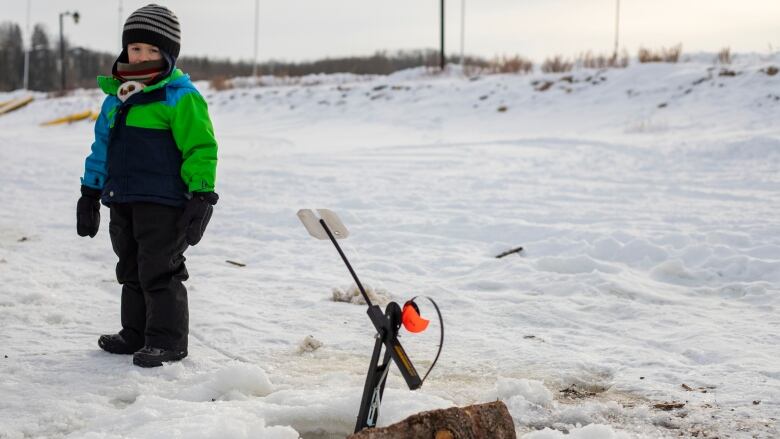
[{"x": 387, "y": 324}]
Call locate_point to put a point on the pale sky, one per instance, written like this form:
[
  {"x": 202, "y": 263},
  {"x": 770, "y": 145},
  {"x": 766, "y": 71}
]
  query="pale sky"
[{"x": 297, "y": 30}]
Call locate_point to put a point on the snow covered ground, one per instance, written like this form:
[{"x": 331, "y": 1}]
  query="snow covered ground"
[{"x": 647, "y": 200}]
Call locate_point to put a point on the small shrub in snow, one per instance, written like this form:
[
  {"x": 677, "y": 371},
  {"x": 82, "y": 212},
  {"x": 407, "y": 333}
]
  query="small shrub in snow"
[
  {"x": 557, "y": 64},
  {"x": 513, "y": 64},
  {"x": 352, "y": 295},
  {"x": 220, "y": 83},
  {"x": 588, "y": 60},
  {"x": 770, "y": 71},
  {"x": 671, "y": 54},
  {"x": 724, "y": 56},
  {"x": 309, "y": 344}
]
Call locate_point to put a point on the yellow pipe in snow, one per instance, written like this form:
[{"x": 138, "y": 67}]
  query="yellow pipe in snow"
[
  {"x": 75, "y": 117},
  {"x": 15, "y": 104}
]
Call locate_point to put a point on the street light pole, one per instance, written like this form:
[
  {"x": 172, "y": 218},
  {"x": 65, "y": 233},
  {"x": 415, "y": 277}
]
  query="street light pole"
[
  {"x": 26, "y": 80},
  {"x": 257, "y": 19},
  {"x": 617, "y": 29},
  {"x": 462, "y": 32},
  {"x": 75, "y": 15},
  {"x": 62, "y": 56},
  {"x": 442, "y": 60}
]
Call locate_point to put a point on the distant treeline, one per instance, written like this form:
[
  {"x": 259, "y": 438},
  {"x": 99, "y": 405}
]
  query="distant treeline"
[{"x": 83, "y": 65}]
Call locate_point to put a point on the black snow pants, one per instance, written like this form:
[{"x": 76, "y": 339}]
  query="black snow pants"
[{"x": 150, "y": 247}]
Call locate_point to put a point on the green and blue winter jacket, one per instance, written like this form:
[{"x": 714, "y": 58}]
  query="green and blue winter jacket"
[{"x": 157, "y": 146}]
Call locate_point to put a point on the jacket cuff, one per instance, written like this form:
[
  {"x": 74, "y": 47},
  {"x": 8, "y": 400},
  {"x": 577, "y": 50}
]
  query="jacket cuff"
[
  {"x": 209, "y": 197},
  {"x": 91, "y": 192}
]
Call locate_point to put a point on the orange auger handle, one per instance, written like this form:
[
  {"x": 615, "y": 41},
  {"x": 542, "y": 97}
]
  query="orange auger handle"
[{"x": 410, "y": 317}]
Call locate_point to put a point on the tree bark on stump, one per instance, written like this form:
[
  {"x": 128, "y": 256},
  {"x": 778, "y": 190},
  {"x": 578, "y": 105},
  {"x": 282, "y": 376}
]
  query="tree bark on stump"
[{"x": 491, "y": 420}]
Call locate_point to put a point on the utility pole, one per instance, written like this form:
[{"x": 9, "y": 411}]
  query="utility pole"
[
  {"x": 28, "y": 36},
  {"x": 257, "y": 21},
  {"x": 75, "y": 16},
  {"x": 617, "y": 29},
  {"x": 442, "y": 59},
  {"x": 462, "y": 32}
]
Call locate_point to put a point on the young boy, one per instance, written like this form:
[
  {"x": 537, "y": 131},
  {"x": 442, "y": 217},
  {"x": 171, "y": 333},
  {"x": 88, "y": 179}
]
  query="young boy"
[{"x": 153, "y": 163}]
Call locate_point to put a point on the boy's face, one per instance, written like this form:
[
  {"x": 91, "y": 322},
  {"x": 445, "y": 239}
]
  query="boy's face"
[{"x": 140, "y": 52}]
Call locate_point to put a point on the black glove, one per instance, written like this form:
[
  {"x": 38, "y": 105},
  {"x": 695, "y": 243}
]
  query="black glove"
[
  {"x": 197, "y": 214},
  {"x": 88, "y": 212}
]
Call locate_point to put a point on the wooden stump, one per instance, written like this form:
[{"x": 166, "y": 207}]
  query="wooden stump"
[{"x": 491, "y": 420}]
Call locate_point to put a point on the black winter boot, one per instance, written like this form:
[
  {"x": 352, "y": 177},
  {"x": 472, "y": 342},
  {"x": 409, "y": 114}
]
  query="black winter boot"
[
  {"x": 115, "y": 344},
  {"x": 154, "y": 357}
]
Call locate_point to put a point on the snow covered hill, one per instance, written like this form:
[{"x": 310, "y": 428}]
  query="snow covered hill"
[{"x": 647, "y": 200}]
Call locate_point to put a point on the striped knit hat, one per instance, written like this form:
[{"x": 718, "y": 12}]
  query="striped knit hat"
[{"x": 155, "y": 25}]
